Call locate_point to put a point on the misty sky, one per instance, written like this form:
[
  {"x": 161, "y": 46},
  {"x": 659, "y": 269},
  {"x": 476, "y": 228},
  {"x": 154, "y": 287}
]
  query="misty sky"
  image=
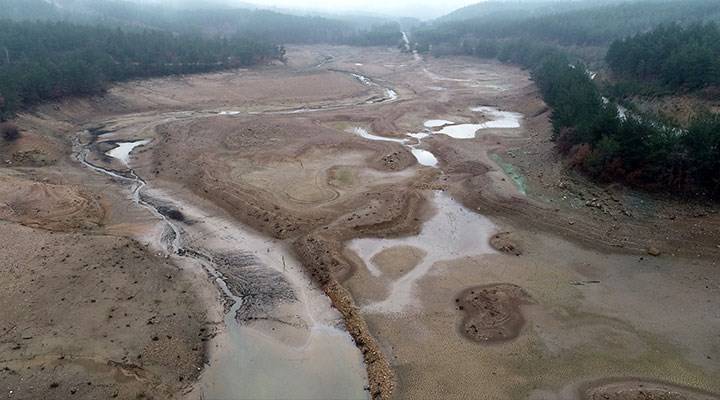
[{"x": 411, "y": 8}]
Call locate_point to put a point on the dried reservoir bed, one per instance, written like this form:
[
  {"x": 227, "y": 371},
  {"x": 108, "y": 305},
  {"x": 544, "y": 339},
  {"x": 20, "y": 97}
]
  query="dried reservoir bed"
[{"x": 358, "y": 223}]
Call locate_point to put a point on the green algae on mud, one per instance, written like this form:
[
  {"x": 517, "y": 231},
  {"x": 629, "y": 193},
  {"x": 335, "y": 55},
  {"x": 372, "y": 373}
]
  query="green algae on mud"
[{"x": 512, "y": 172}]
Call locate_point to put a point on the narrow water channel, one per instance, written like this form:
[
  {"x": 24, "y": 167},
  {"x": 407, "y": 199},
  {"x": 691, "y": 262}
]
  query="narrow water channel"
[{"x": 282, "y": 338}]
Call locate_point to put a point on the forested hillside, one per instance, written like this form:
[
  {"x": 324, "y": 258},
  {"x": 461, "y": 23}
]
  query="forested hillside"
[
  {"x": 670, "y": 56},
  {"x": 598, "y": 25},
  {"x": 379, "y": 35},
  {"x": 514, "y": 9},
  {"x": 613, "y": 146},
  {"x": 68, "y": 54},
  {"x": 48, "y": 60},
  {"x": 211, "y": 21},
  {"x": 588, "y": 129}
]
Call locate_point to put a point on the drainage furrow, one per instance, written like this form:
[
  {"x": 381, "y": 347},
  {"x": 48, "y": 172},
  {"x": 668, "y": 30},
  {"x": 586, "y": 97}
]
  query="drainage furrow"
[{"x": 174, "y": 246}]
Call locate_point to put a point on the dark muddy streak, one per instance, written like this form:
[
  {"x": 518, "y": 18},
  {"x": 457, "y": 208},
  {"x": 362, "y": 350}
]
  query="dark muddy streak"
[{"x": 260, "y": 288}]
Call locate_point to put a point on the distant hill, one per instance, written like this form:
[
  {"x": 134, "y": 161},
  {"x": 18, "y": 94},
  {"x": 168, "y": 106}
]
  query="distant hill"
[
  {"x": 660, "y": 48},
  {"x": 48, "y": 60},
  {"x": 28, "y": 9},
  {"x": 511, "y": 9},
  {"x": 213, "y": 18},
  {"x": 569, "y": 23}
]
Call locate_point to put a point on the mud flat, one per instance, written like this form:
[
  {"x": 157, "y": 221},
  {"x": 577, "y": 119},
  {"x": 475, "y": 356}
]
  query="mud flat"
[
  {"x": 453, "y": 232},
  {"x": 277, "y": 319},
  {"x": 281, "y": 328},
  {"x": 123, "y": 150},
  {"x": 620, "y": 389},
  {"x": 257, "y": 245},
  {"x": 91, "y": 315}
]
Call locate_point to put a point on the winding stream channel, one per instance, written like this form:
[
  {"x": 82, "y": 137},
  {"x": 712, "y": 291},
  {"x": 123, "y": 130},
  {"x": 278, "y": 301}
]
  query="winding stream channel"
[
  {"x": 282, "y": 338},
  {"x": 300, "y": 339}
]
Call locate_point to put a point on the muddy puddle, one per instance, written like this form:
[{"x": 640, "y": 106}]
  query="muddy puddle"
[
  {"x": 453, "y": 232},
  {"x": 255, "y": 366},
  {"x": 282, "y": 338},
  {"x": 123, "y": 150},
  {"x": 423, "y": 157},
  {"x": 497, "y": 119},
  {"x": 363, "y": 133}
]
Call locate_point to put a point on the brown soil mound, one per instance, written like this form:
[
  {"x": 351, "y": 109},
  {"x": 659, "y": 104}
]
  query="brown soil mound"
[
  {"x": 48, "y": 206},
  {"x": 492, "y": 313},
  {"x": 28, "y": 151},
  {"x": 636, "y": 389},
  {"x": 506, "y": 243}
]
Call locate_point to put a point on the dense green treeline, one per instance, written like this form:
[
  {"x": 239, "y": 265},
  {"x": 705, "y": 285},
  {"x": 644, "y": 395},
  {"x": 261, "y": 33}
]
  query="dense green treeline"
[
  {"x": 606, "y": 144},
  {"x": 48, "y": 60},
  {"x": 590, "y": 130},
  {"x": 621, "y": 146},
  {"x": 670, "y": 56},
  {"x": 379, "y": 35},
  {"x": 53, "y": 49}
]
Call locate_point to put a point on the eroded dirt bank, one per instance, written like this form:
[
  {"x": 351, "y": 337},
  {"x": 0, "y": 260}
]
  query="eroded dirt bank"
[{"x": 484, "y": 271}]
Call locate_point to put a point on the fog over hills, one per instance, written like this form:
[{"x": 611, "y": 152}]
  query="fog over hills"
[{"x": 422, "y": 9}]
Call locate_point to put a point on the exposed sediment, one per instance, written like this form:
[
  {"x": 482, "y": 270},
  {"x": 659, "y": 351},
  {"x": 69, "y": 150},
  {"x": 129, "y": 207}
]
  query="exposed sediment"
[
  {"x": 320, "y": 256},
  {"x": 641, "y": 389},
  {"x": 278, "y": 157},
  {"x": 491, "y": 313}
]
